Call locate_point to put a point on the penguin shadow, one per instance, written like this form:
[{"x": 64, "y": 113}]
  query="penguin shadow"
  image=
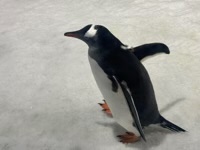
[
  {"x": 155, "y": 134},
  {"x": 170, "y": 105}
]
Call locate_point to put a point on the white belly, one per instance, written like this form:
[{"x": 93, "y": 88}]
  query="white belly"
[{"x": 115, "y": 100}]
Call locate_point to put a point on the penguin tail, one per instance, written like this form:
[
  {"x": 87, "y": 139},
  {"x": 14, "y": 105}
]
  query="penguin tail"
[{"x": 167, "y": 124}]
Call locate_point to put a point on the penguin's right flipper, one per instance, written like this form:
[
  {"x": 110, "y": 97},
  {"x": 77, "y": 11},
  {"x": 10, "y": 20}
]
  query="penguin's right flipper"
[
  {"x": 145, "y": 50},
  {"x": 132, "y": 107}
]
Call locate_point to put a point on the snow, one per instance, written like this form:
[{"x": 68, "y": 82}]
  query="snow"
[{"x": 48, "y": 96}]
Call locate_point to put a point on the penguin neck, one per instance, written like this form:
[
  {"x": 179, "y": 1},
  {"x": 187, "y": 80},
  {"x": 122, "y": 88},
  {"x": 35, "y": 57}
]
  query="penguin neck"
[
  {"x": 104, "y": 48},
  {"x": 112, "y": 44},
  {"x": 99, "y": 53}
]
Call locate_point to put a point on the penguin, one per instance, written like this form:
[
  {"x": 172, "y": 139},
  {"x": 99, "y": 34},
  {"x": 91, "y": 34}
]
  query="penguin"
[{"x": 123, "y": 81}]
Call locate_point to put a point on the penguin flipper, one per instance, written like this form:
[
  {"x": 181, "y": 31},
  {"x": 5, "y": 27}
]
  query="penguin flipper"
[
  {"x": 132, "y": 107},
  {"x": 145, "y": 50}
]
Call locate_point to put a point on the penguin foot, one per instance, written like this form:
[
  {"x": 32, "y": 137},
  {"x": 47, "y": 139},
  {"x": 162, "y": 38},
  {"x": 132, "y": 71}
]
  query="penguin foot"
[
  {"x": 129, "y": 137},
  {"x": 105, "y": 107}
]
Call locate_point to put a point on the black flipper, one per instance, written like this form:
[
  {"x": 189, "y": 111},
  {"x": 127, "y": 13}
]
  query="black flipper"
[
  {"x": 166, "y": 124},
  {"x": 149, "y": 49},
  {"x": 114, "y": 84},
  {"x": 132, "y": 108}
]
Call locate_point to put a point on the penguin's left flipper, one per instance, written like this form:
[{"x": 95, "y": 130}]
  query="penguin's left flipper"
[
  {"x": 131, "y": 106},
  {"x": 150, "y": 49}
]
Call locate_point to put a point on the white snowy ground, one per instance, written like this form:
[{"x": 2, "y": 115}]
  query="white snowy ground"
[{"x": 48, "y": 97}]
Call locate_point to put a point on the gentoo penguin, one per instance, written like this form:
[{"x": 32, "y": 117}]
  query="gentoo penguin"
[{"x": 123, "y": 82}]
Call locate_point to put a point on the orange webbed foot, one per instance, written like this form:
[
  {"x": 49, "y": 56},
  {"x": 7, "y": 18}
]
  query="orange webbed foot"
[
  {"x": 129, "y": 137},
  {"x": 105, "y": 107}
]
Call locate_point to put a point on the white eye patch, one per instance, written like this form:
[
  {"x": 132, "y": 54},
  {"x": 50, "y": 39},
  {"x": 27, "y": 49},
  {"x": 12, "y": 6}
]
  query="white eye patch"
[{"x": 91, "y": 32}]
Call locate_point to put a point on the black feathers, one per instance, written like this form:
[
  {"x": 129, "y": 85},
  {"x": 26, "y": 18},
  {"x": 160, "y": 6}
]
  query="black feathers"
[{"x": 145, "y": 50}]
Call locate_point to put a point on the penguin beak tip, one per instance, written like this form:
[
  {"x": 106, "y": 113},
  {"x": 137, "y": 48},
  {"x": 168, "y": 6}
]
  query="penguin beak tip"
[{"x": 68, "y": 34}]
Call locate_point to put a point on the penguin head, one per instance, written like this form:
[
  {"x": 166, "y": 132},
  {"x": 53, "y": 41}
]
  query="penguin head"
[{"x": 96, "y": 36}]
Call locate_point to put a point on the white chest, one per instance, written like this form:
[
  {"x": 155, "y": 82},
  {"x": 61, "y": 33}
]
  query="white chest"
[{"x": 115, "y": 100}]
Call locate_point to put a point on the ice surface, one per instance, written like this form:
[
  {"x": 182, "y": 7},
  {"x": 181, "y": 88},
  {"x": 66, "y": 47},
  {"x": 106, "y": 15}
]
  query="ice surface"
[{"x": 48, "y": 97}]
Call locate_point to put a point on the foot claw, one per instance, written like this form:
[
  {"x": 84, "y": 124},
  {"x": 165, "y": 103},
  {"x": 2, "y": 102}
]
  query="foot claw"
[
  {"x": 119, "y": 136},
  {"x": 130, "y": 133}
]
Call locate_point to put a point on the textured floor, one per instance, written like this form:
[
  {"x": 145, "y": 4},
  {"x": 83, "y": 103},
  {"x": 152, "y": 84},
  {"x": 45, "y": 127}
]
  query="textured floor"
[{"x": 48, "y": 97}]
